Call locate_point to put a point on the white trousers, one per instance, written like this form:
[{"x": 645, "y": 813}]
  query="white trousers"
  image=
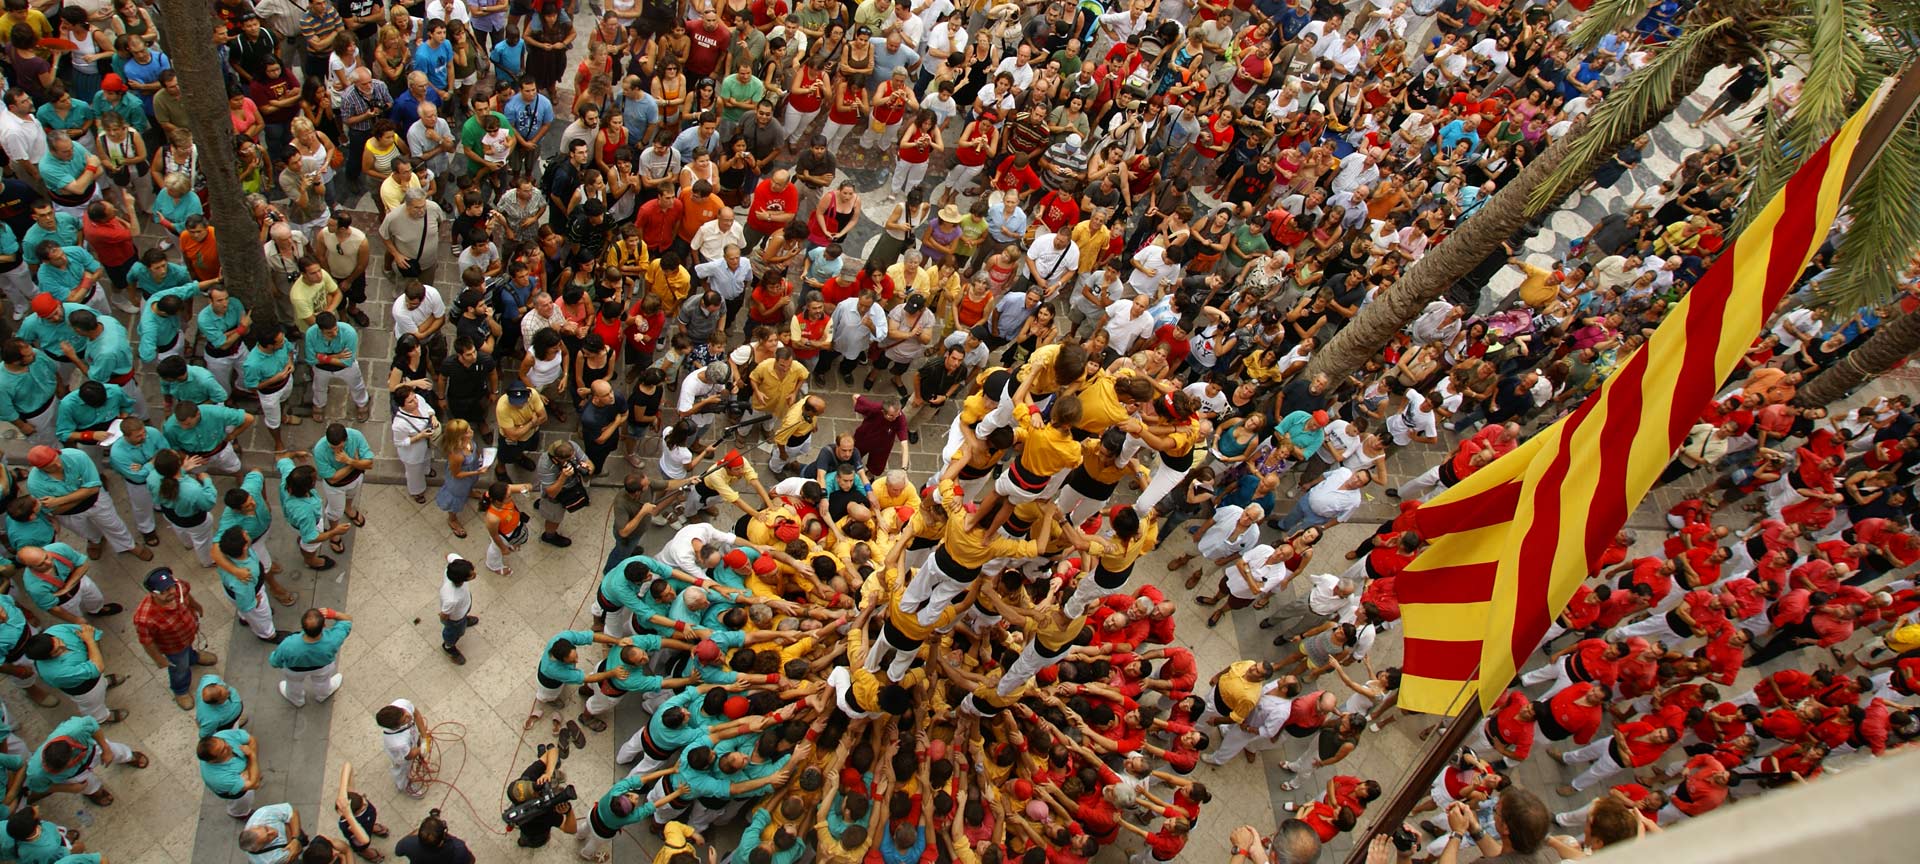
[
  {"x": 44, "y": 422},
  {"x": 259, "y": 619},
  {"x": 115, "y": 753},
  {"x": 873, "y": 140},
  {"x": 18, "y": 286},
  {"x": 140, "y": 504},
  {"x": 931, "y": 591},
  {"x": 93, "y": 703},
  {"x": 225, "y": 369},
  {"x": 1420, "y": 487},
  {"x": 319, "y": 683},
  {"x": 793, "y": 121},
  {"x": 959, "y": 177},
  {"x": 241, "y": 807},
  {"x": 100, "y": 522},
  {"x": 618, "y": 620},
  {"x": 897, "y": 659},
  {"x": 1555, "y": 672},
  {"x": 200, "y": 537},
  {"x": 600, "y": 703},
  {"x": 1235, "y": 740},
  {"x": 1655, "y": 626},
  {"x": 592, "y": 844},
  {"x": 836, "y": 133},
  {"x": 1077, "y": 505},
  {"x": 1600, "y": 753},
  {"x": 336, "y": 497},
  {"x": 417, "y": 474},
  {"x": 86, "y": 598},
  {"x": 1161, "y": 483},
  {"x": 1029, "y": 664},
  {"x": 350, "y": 376},
  {"x": 224, "y": 461},
  {"x": 270, "y": 406},
  {"x": 906, "y": 175}
]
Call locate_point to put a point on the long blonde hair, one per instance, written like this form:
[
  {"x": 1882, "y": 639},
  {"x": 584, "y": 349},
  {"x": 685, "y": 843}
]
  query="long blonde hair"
[{"x": 457, "y": 435}]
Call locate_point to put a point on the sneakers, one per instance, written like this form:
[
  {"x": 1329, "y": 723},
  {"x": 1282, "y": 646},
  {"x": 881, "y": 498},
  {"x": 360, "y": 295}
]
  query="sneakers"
[
  {"x": 184, "y": 701},
  {"x": 333, "y": 686},
  {"x": 453, "y": 653},
  {"x": 302, "y": 703},
  {"x": 556, "y": 539}
]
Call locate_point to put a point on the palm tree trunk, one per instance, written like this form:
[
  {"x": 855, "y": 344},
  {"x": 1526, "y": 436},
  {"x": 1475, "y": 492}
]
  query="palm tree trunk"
[
  {"x": 1478, "y": 237},
  {"x": 1892, "y": 342},
  {"x": 243, "y": 263}
]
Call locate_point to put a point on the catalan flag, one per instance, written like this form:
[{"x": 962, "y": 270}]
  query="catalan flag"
[{"x": 1512, "y": 541}]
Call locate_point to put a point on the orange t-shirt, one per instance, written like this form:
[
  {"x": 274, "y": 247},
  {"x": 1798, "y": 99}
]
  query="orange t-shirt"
[
  {"x": 697, "y": 213},
  {"x": 202, "y": 257}
]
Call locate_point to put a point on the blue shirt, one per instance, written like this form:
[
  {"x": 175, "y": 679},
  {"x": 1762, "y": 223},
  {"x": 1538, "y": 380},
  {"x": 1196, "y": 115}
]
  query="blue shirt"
[
  {"x": 640, "y": 115},
  {"x": 689, "y": 140},
  {"x": 228, "y": 776},
  {"x": 510, "y": 59},
  {"x": 526, "y": 118},
  {"x": 296, "y": 652},
  {"x": 215, "y": 328},
  {"x": 54, "y": 337},
  {"x": 130, "y": 461},
  {"x": 175, "y": 276},
  {"x": 255, "y": 485},
  {"x": 199, "y": 387},
  {"x": 66, "y": 232},
  {"x": 276, "y": 817},
  {"x": 28, "y": 392},
  {"x": 160, "y": 332},
  {"x": 345, "y": 340},
  {"x": 434, "y": 62},
  {"x": 211, "y": 718},
  {"x": 76, "y": 415},
  {"x": 206, "y": 436},
  {"x": 560, "y": 670},
  {"x": 109, "y": 355},
  {"x": 61, "y": 282},
  {"x": 1006, "y": 225},
  {"x": 76, "y": 472},
  {"x": 327, "y": 465}
]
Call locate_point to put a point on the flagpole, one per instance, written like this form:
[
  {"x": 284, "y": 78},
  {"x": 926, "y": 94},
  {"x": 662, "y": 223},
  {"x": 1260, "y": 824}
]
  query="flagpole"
[
  {"x": 1897, "y": 103},
  {"x": 1415, "y": 783}
]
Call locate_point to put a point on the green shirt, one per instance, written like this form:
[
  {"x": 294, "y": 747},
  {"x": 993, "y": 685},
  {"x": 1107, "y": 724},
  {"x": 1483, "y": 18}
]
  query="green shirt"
[
  {"x": 54, "y": 336},
  {"x": 344, "y": 340},
  {"x": 228, "y": 776},
  {"x": 109, "y": 355},
  {"x": 62, "y": 281},
  {"x": 77, "y": 116},
  {"x": 605, "y": 806},
  {"x": 193, "y": 497},
  {"x": 637, "y": 680},
  {"x": 12, "y": 631},
  {"x": 210, "y": 718},
  {"x": 157, "y": 331},
  {"x": 1250, "y": 241},
  {"x": 205, "y": 436},
  {"x": 25, "y": 393},
  {"x": 66, "y": 232},
  {"x": 77, "y": 416},
  {"x": 80, "y": 729},
  {"x": 255, "y": 485},
  {"x": 296, "y": 652},
  {"x": 471, "y": 133},
  {"x": 200, "y": 388},
  {"x": 216, "y": 327},
  {"x": 70, "y": 669},
  {"x": 77, "y": 472},
  {"x": 750, "y": 91},
  {"x": 328, "y": 465},
  {"x": 245, "y": 595},
  {"x": 63, "y": 560},
  {"x": 131, "y": 460},
  {"x": 175, "y": 276},
  {"x": 563, "y": 672},
  {"x": 261, "y": 365},
  {"x": 56, "y": 172},
  {"x": 38, "y": 532},
  {"x": 303, "y": 513},
  {"x": 46, "y": 847}
]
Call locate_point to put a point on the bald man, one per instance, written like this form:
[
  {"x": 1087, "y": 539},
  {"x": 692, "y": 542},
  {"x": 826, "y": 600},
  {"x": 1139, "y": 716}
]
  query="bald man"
[
  {"x": 775, "y": 202},
  {"x": 600, "y": 419}
]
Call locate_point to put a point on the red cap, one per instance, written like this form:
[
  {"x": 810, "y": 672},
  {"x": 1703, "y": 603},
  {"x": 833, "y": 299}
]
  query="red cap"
[
  {"x": 735, "y": 559},
  {"x": 732, "y": 460},
  {"x": 41, "y": 455},
  {"x": 1022, "y": 788},
  {"x": 707, "y": 651},
  {"x": 46, "y": 306},
  {"x": 765, "y": 565},
  {"x": 1321, "y": 418},
  {"x": 904, "y": 513},
  {"x": 113, "y": 83},
  {"x": 786, "y": 532},
  {"x": 735, "y": 707}
]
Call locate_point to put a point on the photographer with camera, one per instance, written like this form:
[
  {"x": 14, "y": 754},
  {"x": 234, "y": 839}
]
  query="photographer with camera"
[
  {"x": 562, "y": 474},
  {"x": 540, "y": 801},
  {"x": 706, "y": 392}
]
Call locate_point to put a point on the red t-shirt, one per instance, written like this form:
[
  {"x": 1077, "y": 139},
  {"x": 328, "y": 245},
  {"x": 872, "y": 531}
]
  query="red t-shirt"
[
  {"x": 706, "y": 48},
  {"x": 111, "y": 241},
  {"x": 764, "y": 198},
  {"x": 1646, "y": 571},
  {"x": 1582, "y": 609},
  {"x": 1306, "y": 713},
  {"x": 1581, "y": 720},
  {"x": 1784, "y": 724},
  {"x": 1720, "y": 723},
  {"x": 1381, "y": 593},
  {"x": 1698, "y": 795},
  {"x": 1058, "y": 211},
  {"x": 1509, "y": 728},
  {"x": 1641, "y": 753},
  {"x": 1724, "y": 657},
  {"x": 1590, "y": 655},
  {"x": 1010, "y": 178}
]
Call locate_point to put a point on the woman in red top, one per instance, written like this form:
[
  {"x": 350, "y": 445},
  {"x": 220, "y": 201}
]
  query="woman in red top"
[
  {"x": 771, "y": 301},
  {"x": 917, "y": 145},
  {"x": 977, "y": 144},
  {"x": 811, "y": 85},
  {"x": 641, "y": 333},
  {"x": 1213, "y": 139},
  {"x": 891, "y": 102},
  {"x": 846, "y": 109}
]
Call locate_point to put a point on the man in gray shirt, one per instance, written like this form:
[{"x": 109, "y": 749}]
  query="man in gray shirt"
[
  {"x": 702, "y": 316},
  {"x": 561, "y": 474}
]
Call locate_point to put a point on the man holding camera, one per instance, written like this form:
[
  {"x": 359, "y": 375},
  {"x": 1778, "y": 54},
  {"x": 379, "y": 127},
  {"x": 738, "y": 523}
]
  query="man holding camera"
[
  {"x": 538, "y": 806},
  {"x": 562, "y": 475}
]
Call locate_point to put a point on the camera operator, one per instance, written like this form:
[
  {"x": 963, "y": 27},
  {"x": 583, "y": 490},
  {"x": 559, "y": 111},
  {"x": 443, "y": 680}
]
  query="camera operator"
[
  {"x": 562, "y": 474},
  {"x": 706, "y": 392},
  {"x": 555, "y": 807}
]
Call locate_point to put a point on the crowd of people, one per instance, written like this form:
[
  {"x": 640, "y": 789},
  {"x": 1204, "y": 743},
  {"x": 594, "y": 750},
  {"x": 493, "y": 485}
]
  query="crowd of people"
[{"x": 1108, "y": 242}]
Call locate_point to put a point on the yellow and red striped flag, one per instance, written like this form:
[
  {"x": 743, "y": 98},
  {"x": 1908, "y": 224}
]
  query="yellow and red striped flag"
[{"x": 1512, "y": 541}]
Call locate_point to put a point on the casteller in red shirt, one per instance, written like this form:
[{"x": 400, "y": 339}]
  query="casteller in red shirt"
[{"x": 1508, "y": 728}]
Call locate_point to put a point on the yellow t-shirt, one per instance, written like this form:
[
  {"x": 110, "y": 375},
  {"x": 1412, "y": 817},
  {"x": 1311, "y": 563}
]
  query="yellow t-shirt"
[
  {"x": 675, "y": 838},
  {"x": 1091, "y": 244},
  {"x": 773, "y": 391},
  {"x": 1046, "y": 450},
  {"x": 1100, "y": 407},
  {"x": 721, "y": 481},
  {"x": 506, "y": 414},
  {"x": 1239, "y": 693}
]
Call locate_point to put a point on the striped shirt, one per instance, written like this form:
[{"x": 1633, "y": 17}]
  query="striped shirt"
[{"x": 320, "y": 24}]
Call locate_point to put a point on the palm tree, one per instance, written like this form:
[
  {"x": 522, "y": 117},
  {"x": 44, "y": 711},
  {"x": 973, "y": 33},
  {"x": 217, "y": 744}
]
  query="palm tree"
[
  {"x": 1893, "y": 341},
  {"x": 1844, "y": 48},
  {"x": 243, "y": 263}
]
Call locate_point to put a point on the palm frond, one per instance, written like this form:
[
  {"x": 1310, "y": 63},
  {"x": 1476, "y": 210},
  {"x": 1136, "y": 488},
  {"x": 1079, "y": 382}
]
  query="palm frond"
[
  {"x": 1603, "y": 17},
  {"x": 1836, "y": 60},
  {"x": 1639, "y": 103},
  {"x": 1884, "y": 229}
]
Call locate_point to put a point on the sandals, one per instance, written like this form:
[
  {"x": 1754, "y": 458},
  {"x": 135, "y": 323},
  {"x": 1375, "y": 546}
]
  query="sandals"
[
  {"x": 532, "y": 719},
  {"x": 139, "y": 760},
  {"x": 102, "y": 798},
  {"x": 324, "y": 565},
  {"x": 287, "y": 599},
  {"x": 116, "y": 715},
  {"x": 420, "y": 498},
  {"x": 459, "y": 531},
  {"x": 338, "y": 545},
  {"x": 150, "y": 538},
  {"x": 378, "y": 830},
  {"x": 107, "y": 609},
  {"x": 115, "y": 681},
  {"x": 358, "y": 519}
]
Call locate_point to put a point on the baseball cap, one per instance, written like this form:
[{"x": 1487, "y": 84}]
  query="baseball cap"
[
  {"x": 518, "y": 395},
  {"x": 160, "y": 579},
  {"x": 915, "y": 303},
  {"x": 45, "y": 305},
  {"x": 765, "y": 565},
  {"x": 735, "y": 559},
  {"x": 41, "y": 455},
  {"x": 1321, "y": 418},
  {"x": 707, "y": 651},
  {"x": 113, "y": 83}
]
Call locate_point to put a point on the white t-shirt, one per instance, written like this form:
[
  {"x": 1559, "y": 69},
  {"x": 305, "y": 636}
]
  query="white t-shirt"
[
  {"x": 24, "y": 140},
  {"x": 938, "y": 38},
  {"x": 678, "y": 552},
  {"x": 1267, "y": 578},
  {"x": 398, "y": 743},
  {"x": 693, "y": 389},
  {"x": 1416, "y": 418},
  {"x": 1124, "y": 327},
  {"x": 1341, "y": 434},
  {"x": 409, "y": 320},
  {"x": 1328, "y": 499},
  {"x": 456, "y": 601},
  {"x": 1215, "y": 403}
]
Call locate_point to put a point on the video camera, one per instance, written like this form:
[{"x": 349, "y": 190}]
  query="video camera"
[{"x": 546, "y": 799}]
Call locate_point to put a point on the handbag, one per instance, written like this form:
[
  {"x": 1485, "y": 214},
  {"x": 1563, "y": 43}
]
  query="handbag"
[{"x": 335, "y": 158}]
